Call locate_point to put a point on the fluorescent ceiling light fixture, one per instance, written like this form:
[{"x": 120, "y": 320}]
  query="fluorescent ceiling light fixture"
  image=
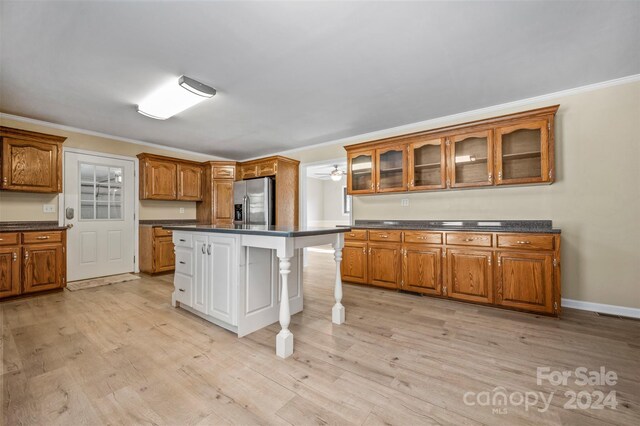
[{"x": 174, "y": 97}]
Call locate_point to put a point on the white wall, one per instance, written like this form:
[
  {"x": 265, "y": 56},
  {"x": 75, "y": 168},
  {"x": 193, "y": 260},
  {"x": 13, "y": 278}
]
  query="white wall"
[
  {"x": 324, "y": 203},
  {"x": 315, "y": 202}
]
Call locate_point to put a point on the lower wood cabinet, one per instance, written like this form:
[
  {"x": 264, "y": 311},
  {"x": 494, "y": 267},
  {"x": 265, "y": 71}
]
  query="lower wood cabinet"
[
  {"x": 384, "y": 264},
  {"x": 156, "y": 250},
  {"x": 469, "y": 275},
  {"x": 514, "y": 271},
  {"x": 422, "y": 269},
  {"x": 534, "y": 269},
  {"x": 29, "y": 266},
  {"x": 354, "y": 262}
]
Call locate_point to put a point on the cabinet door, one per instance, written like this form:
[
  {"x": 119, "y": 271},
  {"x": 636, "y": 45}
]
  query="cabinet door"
[
  {"x": 164, "y": 255},
  {"x": 200, "y": 273},
  {"x": 268, "y": 168},
  {"x": 249, "y": 171},
  {"x": 222, "y": 202},
  {"x": 391, "y": 169},
  {"x": 427, "y": 161},
  {"x": 522, "y": 153},
  {"x": 189, "y": 182},
  {"x": 354, "y": 262},
  {"x": 471, "y": 159},
  {"x": 469, "y": 275},
  {"x": 525, "y": 281},
  {"x": 42, "y": 267},
  {"x": 31, "y": 166},
  {"x": 384, "y": 264},
  {"x": 421, "y": 269},
  {"x": 160, "y": 180},
  {"x": 9, "y": 271},
  {"x": 221, "y": 252},
  {"x": 360, "y": 172}
]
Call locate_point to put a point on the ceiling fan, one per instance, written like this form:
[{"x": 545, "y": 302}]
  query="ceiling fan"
[{"x": 335, "y": 175}]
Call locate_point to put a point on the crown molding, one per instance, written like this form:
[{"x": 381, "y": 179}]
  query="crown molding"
[
  {"x": 105, "y": 135},
  {"x": 467, "y": 115}
]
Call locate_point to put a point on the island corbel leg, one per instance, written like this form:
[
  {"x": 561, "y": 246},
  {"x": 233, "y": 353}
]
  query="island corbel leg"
[
  {"x": 284, "y": 339},
  {"x": 337, "y": 312}
]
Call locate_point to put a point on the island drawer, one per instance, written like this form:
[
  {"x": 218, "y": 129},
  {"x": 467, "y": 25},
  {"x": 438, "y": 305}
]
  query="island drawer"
[
  {"x": 469, "y": 239},
  {"x": 183, "y": 289},
  {"x": 8, "y": 238},
  {"x": 161, "y": 232},
  {"x": 356, "y": 234},
  {"x": 391, "y": 236},
  {"x": 42, "y": 237},
  {"x": 184, "y": 261},
  {"x": 181, "y": 239},
  {"x": 422, "y": 237},
  {"x": 526, "y": 241}
]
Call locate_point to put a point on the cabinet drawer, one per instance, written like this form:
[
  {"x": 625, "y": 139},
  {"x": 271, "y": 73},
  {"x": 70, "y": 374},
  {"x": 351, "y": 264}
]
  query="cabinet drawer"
[
  {"x": 42, "y": 237},
  {"x": 160, "y": 232},
  {"x": 356, "y": 234},
  {"x": 422, "y": 237},
  {"x": 391, "y": 236},
  {"x": 184, "y": 262},
  {"x": 183, "y": 288},
  {"x": 224, "y": 172},
  {"x": 469, "y": 239},
  {"x": 267, "y": 169},
  {"x": 524, "y": 241},
  {"x": 9, "y": 238},
  {"x": 182, "y": 240}
]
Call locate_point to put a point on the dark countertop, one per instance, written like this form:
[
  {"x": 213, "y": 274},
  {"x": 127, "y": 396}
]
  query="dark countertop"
[
  {"x": 521, "y": 226},
  {"x": 273, "y": 231},
  {"x": 31, "y": 226},
  {"x": 165, "y": 222}
]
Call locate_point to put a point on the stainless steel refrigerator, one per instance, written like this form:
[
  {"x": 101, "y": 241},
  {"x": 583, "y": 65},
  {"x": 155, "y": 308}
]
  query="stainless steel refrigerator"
[{"x": 254, "y": 202}]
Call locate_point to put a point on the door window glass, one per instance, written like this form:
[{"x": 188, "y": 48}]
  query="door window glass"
[{"x": 101, "y": 192}]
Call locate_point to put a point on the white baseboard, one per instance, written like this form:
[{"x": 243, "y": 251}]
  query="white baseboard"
[{"x": 601, "y": 308}]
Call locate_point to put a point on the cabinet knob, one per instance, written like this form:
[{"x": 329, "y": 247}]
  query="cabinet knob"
[
  {"x": 182, "y": 263},
  {"x": 26, "y": 255},
  {"x": 43, "y": 237},
  {"x": 490, "y": 177},
  {"x": 4, "y": 180},
  {"x": 181, "y": 289},
  {"x": 15, "y": 257},
  {"x": 209, "y": 249}
]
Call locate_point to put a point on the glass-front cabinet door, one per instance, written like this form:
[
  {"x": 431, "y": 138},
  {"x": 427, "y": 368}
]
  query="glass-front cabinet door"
[
  {"x": 391, "y": 170},
  {"x": 522, "y": 153},
  {"x": 361, "y": 172},
  {"x": 427, "y": 159},
  {"x": 471, "y": 159}
]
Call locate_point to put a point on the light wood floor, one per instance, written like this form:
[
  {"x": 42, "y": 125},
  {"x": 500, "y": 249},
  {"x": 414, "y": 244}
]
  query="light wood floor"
[{"x": 121, "y": 354}]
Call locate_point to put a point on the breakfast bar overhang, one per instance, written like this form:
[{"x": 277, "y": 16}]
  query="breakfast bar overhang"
[{"x": 226, "y": 274}]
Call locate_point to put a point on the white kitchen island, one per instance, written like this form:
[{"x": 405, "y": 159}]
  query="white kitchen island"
[{"x": 246, "y": 277}]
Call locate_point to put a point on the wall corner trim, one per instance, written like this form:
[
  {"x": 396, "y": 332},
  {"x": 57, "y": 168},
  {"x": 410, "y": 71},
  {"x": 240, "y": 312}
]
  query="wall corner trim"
[{"x": 601, "y": 308}]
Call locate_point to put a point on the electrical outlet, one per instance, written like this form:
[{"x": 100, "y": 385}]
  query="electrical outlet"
[
  {"x": 181, "y": 209},
  {"x": 404, "y": 202},
  {"x": 48, "y": 208}
]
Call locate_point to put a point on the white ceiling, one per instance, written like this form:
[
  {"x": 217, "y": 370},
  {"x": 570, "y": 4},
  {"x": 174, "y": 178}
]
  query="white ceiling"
[{"x": 296, "y": 74}]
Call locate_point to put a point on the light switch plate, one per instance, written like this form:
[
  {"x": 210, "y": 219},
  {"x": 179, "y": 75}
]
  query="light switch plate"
[
  {"x": 48, "y": 208},
  {"x": 404, "y": 202},
  {"x": 181, "y": 209}
]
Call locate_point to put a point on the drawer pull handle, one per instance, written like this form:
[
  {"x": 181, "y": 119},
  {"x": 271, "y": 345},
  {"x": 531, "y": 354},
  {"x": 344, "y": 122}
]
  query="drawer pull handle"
[
  {"x": 469, "y": 239},
  {"x": 43, "y": 237},
  {"x": 15, "y": 257},
  {"x": 181, "y": 289},
  {"x": 351, "y": 235},
  {"x": 422, "y": 238},
  {"x": 383, "y": 236},
  {"x": 182, "y": 240},
  {"x": 523, "y": 242},
  {"x": 182, "y": 263}
]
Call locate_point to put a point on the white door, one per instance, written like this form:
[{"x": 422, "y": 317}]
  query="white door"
[
  {"x": 223, "y": 273},
  {"x": 99, "y": 203}
]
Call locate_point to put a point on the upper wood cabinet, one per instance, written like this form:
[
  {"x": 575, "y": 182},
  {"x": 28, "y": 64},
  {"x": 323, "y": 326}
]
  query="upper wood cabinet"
[
  {"x": 189, "y": 182},
  {"x": 216, "y": 207},
  {"x": 471, "y": 159},
  {"x": 361, "y": 172},
  {"x": 513, "y": 149},
  {"x": 31, "y": 162},
  {"x": 391, "y": 170},
  {"x": 427, "y": 164},
  {"x": 166, "y": 178},
  {"x": 522, "y": 153}
]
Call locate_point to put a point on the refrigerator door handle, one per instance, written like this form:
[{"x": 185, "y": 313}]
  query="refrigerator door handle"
[{"x": 245, "y": 208}]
